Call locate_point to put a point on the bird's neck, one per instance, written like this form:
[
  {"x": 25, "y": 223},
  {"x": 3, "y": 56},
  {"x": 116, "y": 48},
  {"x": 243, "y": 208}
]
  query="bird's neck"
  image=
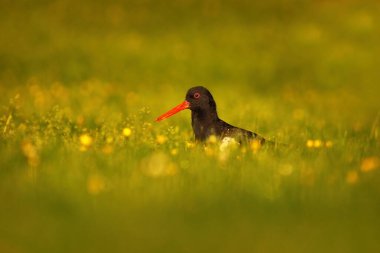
[{"x": 203, "y": 123}]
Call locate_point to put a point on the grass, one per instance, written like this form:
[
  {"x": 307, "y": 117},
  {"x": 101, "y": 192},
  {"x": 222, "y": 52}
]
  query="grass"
[{"x": 84, "y": 167}]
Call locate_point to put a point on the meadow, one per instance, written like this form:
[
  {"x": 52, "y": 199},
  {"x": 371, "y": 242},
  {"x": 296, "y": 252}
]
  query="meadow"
[{"x": 85, "y": 168}]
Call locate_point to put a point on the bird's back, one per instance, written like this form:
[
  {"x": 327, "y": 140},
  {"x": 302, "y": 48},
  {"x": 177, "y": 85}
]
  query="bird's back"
[{"x": 242, "y": 135}]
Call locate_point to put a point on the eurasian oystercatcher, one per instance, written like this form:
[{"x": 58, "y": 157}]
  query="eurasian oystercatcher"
[{"x": 205, "y": 120}]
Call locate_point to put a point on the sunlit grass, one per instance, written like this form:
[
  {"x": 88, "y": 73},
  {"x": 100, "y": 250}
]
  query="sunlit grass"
[
  {"x": 94, "y": 149},
  {"x": 85, "y": 168}
]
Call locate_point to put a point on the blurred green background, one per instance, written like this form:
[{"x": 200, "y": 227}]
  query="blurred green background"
[{"x": 74, "y": 74}]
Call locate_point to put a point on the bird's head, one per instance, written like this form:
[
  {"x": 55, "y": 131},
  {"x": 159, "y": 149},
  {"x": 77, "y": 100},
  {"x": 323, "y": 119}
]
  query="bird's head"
[
  {"x": 200, "y": 98},
  {"x": 197, "y": 99}
]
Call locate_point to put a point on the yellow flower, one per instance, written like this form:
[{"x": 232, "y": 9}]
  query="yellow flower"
[
  {"x": 127, "y": 132},
  {"x": 85, "y": 140},
  {"x": 174, "y": 152},
  {"x": 317, "y": 143},
  {"x": 161, "y": 139},
  {"x": 370, "y": 163},
  {"x": 255, "y": 145},
  {"x": 31, "y": 153},
  {"x": 212, "y": 139},
  {"x": 310, "y": 143},
  {"x": 190, "y": 144}
]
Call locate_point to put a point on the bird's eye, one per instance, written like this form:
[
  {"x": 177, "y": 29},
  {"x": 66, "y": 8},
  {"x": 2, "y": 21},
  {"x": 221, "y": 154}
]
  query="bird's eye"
[{"x": 197, "y": 95}]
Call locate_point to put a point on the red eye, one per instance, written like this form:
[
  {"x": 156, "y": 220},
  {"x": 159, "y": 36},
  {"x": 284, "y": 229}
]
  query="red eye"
[{"x": 197, "y": 95}]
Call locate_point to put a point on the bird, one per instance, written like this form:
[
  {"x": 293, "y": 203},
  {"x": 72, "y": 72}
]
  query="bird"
[{"x": 205, "y": 120}]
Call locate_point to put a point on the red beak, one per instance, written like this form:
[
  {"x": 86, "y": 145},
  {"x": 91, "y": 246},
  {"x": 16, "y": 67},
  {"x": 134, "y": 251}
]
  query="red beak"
[{"x": 184, "y": 105}]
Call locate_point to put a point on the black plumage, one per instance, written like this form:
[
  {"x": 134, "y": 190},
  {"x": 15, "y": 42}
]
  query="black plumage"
[{"x": 205, "y": 120}]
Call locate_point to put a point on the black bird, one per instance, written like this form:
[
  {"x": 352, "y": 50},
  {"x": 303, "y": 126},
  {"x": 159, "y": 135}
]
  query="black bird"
[{"x": 205, "y": 120}]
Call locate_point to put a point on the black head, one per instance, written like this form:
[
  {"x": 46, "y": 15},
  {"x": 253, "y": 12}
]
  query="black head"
[{"x": 200, "y": 98}]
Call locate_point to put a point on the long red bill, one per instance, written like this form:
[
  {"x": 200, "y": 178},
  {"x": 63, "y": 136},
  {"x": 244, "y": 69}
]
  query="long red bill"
[{"x": 184, "y": 105}]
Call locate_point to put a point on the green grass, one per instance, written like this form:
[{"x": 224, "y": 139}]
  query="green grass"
[{"x": 298, "y": 72}]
